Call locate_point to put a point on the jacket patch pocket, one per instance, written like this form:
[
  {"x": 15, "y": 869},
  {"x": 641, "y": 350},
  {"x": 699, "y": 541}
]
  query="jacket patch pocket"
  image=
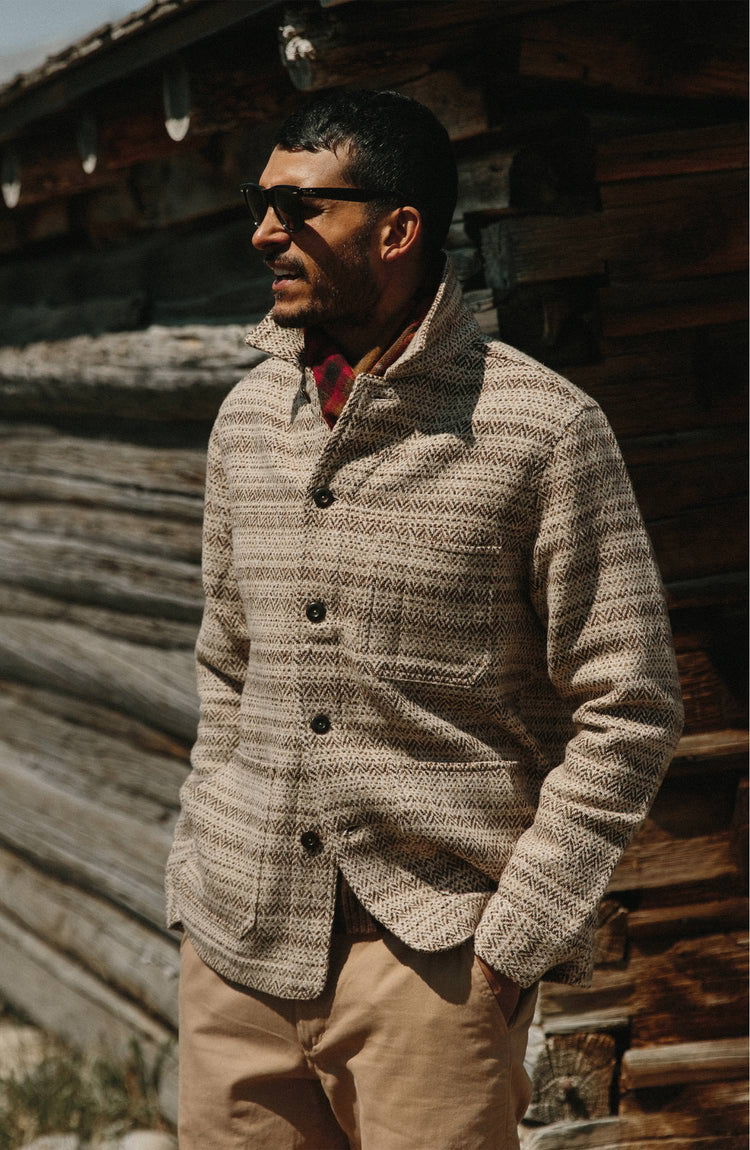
[
  {"x": 428, "y": 614},
  {"x": 228, "y": 812}
]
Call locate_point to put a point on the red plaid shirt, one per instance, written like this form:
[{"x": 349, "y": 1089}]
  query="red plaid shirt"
[{"x": 334, "y": 375}]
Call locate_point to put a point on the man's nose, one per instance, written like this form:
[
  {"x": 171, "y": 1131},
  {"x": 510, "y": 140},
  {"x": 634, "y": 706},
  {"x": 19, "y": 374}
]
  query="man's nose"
[{"x": 269, "y": 233}]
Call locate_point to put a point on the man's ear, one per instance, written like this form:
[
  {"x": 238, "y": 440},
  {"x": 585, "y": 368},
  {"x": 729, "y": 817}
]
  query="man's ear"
[{"x": 400, "y": 233}]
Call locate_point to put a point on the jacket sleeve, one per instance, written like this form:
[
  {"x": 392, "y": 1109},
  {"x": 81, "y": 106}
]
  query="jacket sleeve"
[
  {"x": 597, "y": 591},
  {"x": 221, "y": 650}
]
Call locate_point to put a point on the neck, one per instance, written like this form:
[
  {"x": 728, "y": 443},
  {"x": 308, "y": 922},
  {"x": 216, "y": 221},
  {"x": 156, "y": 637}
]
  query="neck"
[{"x": 362, "y": 342}]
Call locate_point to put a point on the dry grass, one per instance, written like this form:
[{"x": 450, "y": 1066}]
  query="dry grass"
[{"x": 67, "y": 1092}]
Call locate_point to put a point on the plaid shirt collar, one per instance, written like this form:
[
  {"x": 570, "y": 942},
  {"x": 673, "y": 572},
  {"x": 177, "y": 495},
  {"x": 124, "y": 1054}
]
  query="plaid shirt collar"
[{"x": 334, "y": 375}]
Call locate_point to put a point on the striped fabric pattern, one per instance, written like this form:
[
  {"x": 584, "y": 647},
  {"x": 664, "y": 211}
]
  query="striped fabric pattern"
[{"x": 434, "y": 655}]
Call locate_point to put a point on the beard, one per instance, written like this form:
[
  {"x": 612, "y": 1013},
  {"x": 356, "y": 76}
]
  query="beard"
[{"x": 341, "y": 293}]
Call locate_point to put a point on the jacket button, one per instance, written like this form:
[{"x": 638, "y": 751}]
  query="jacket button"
[
  {"x": 320, "y": 724},
  {"x": 316, "y": 612},
  {"x": 311, "y": 842},
  {"x": 323, "y": 496}
]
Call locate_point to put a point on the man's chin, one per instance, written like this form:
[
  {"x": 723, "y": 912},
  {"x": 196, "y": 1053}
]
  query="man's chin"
[{"x": 286, "y": 316}]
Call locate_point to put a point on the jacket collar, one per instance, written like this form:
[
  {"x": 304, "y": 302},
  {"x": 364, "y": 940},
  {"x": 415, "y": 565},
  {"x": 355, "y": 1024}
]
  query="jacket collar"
[{"x": 444, "y": 328}]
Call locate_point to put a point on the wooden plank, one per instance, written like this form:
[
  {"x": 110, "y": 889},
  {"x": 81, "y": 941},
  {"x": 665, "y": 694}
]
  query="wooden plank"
[
  {"x": 657, "y": 860},
  {"x": 719, "y": 1060},
  {"x": 667, "y": 922},
  {"x": 689, "y": 379},
  {"x": 103, "y": 575},
  {"x": 690, "y": 989},
  {"x": 638, "y": 309},
  {"x": 714, "y": 148},
  {"x": 61, "y": 997},
  {"x": 672, "y": 474},
  {"x": 114, "y": 854},
  {"x": 711, "y": 1107},
  {"x": 628, "y": 242},
  {"x": 707, "y": 745},
  {"x": 618, "y": 1133},
  {"x": 382, "y": 45},
  {"x": 145, "y": 534},
  {"x": 146, "y": 629},
  {"x": 114, "y": 946},
  {"x": 91, "y": 763},
  {"x": 155, "y": 686},
  {"x": 31, "y": 450},
  {"x": 621, "y": 48},
  {"x": 160, "y": 373},
  {"x": 84, "y": 713},
  {"x": 708, "y": 700},
  {"x": 701, "y": 541}
]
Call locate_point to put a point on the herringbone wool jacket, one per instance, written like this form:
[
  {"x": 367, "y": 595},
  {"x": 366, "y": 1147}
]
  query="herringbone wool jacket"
[{"x": 434, "y": 655}]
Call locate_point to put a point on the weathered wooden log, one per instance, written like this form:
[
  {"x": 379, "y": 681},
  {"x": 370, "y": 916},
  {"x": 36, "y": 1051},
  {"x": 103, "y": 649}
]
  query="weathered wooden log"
[
  {"x": 63, "y": 998},
  {"x": 661, "y": 923},
  {"x": 105, "y": 576},
  {"x": 631, "y": 310},
  {"x": 611, "y": 933},
  {"x": 690, "y": 989},
  {"x": 145, "y": 534},
  {"x": 154, "y": 632},
  {"x": 572, "y": 1078},
  {"x": 36, "y": 449},
  {"x": 118, "y": 775},
  {"x": 84, "y": 713},
  {"x": 376, "y": 44},
  {"x": 618, "y": 1133},
  {"x": 725, "y": 589},
  {"x": 140, "y": 629},
  {"x": 159, "y": 373},
  {"x": 659, "y": 861},
  {"x": 720, "y": 147},
  {"x": 19, "y": 485},
  {"x": 680, "y": 386},
  {"x": 113, "y": 853},
  {"x": 621, "y": 48},
  {"x": 688, "y": 1109},
  {"x": 114, "y": 946},
  {"x": 154, "y": 686},
  {"x": 633, "y": 241},
  {"x": 718, "y": 1060},
  {"x": 701, "y": 541},
  {"x": 637, "y": 239},
  {"x": 677, "y": 473}
]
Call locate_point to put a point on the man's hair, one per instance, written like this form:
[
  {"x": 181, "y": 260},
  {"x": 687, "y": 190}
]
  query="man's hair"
[{"x": 399, "y": 149}]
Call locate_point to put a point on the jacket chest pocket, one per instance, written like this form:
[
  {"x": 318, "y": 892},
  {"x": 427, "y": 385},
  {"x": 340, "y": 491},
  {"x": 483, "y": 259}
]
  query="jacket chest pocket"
[{"x": 429, "y": 613}]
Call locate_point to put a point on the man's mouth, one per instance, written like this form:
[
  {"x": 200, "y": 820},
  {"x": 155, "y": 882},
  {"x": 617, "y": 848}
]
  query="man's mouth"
[{"x": 283, "y": 275}]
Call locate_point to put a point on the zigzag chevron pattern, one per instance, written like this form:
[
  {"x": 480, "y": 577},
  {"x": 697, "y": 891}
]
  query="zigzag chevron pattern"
[{"x": 478, "y": 719}]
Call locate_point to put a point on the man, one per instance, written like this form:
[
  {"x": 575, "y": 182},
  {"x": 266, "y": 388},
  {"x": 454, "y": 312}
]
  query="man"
[{"x": 436, "y": 679}]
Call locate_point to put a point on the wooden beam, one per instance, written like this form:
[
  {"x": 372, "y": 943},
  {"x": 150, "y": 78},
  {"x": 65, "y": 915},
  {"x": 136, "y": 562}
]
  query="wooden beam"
[
  {"x": 155, "y": 686},
  {"x": 129, "y": 957},
  {"x": 716, "y": 148},
  {"x": 157, "y": 374},
  {"x": 145, "y": 629},
  {"x": 112, "y": 853},
  {"x": 719, "y": 1060},
  {"x": 641, "y": 239},
  {"x": 103, "y": 575}
]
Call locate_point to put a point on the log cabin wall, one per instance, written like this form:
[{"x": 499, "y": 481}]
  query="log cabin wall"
[{"x": 601, "y": 227}]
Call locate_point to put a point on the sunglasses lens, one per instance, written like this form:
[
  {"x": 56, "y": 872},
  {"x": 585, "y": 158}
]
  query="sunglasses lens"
[
  {"x": 287, "y": 207},
  {"x": 255, "y": 199}
]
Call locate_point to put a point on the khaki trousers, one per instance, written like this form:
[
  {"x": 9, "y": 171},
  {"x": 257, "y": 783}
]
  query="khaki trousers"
[{"x": 402, "y": 1051}]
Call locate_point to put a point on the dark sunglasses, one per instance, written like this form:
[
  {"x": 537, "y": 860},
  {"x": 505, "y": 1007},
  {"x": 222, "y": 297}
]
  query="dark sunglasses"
[{"x": 286, "y": 201}]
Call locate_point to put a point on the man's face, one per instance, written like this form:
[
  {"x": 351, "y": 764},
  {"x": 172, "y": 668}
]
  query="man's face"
[{"x": 325, "y": 274}]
